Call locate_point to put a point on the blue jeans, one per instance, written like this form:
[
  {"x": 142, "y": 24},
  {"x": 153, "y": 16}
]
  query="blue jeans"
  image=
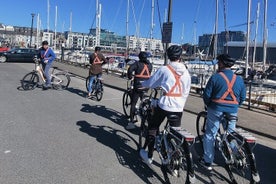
[
  {"x": 46, "y": 68},
  {"x": 212, "y": 125},
  {"x": 91, "y": 80}
]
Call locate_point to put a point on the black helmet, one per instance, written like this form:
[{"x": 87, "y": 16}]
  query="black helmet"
[
  {"x": 97, "y": 48},
  {"x": 174, "y": 52},
  {"x": 45, "y": 43},
  {"x": 143, "y": 56},
  {"x": 226, "y": 60}
]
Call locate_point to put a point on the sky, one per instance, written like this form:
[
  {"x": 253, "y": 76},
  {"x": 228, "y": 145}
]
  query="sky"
[{"x": 191, "y": 18}]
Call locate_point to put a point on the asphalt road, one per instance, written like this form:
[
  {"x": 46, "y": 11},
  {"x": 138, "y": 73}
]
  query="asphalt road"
[{"x": 60, "y": 137}]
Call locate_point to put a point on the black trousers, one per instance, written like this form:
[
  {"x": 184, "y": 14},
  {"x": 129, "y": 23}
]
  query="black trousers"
[
  {"x": 136, "y": 94},
  {"x": 154, "y": 123}
]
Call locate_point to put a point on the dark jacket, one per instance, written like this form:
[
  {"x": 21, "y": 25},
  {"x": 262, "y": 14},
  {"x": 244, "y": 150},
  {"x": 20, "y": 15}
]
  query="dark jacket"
[
  {"x": 136, "y": 69},
  {"x": 96, "y": 68}
]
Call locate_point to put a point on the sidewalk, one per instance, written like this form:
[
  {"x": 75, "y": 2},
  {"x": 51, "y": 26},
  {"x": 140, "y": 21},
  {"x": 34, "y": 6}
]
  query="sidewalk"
[{"x": 256, "y": 121}]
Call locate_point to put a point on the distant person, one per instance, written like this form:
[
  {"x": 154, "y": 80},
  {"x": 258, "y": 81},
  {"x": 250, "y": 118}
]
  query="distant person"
[
  {"x": 47, "y": 57},
  {"x": 224, "y": 93},
  {"x": 96, "y": 61},
  {"x": 175, "y": 81},
  {"x": 139, "y": 72}
]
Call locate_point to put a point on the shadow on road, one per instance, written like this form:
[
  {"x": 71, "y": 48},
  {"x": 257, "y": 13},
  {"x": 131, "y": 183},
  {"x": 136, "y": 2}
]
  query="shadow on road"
[{"x": 119, "y": 142}]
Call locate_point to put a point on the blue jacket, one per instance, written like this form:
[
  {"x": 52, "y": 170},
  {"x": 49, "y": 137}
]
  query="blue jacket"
[
  {"x": 47, "y": 55},
  {"x": 217, "y": 86}
]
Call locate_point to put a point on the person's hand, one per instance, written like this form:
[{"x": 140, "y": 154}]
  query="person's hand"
[{"x": 45, "y": 61}]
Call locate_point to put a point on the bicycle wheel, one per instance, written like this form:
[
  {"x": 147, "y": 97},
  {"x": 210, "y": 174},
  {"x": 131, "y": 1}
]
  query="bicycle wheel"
[
  {"x": 99, "y": 91},
  {"x": 30, "y": 81},
  {"x": 200, "y": 125},
  {"x": 60, "y": 81},
  {"x": 126, "y": 103},
  {"x": 243, "y": 169}
]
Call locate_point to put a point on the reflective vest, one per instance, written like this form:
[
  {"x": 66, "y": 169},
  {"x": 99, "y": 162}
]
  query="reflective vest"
[
  {"x": 177, "y": 84},
  {"x": 222, "y": 99},
  {"x": 144, "y": 73},
  {"x": 96, "y": 60}
]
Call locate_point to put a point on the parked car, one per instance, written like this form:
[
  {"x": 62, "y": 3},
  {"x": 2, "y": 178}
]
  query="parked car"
[{"x": 18, "y": 55}]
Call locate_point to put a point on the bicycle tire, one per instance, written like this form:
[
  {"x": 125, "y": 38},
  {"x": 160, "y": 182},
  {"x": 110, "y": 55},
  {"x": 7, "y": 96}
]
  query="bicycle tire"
[
  {"x": 126, "y": 103},
  {"x": 30, "y": 81},
  {"x": 200, "y": 125},
  {"x": 99, "y": 91},
  {"x": 63, "y": 84},
  {"x": 244, "y": 169}
]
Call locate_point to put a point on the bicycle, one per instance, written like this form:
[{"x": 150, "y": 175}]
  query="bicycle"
[
  {"x": 59, "y": 80},
  {"x": 236, "y": 148},
  {"x": 97, "y": 87},
  {"x": 173, "y": 144},
  {"x": 127, "y": 98}
]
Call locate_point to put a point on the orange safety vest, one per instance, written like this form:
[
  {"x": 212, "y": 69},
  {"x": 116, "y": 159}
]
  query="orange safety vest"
[
  {"x": 96, "y": 60},
  {"x": 228, "y": 91},
  {"x": 144, "y": 73},
  {"x": 172, "y": 92}
]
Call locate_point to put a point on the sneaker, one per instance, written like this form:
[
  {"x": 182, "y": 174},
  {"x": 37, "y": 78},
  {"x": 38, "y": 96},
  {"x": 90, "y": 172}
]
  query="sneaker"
[
  {"x": 145, "y": 158},
  {"x": 89, "y": 95},
  {"x": 46, "y": 87},
  {"x": 130, "y": 126},
  {"x": 206, "y": 165}
]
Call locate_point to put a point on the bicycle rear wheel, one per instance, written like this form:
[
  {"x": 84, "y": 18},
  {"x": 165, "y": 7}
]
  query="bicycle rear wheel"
[
  {"x": 30, "y": 81},
  {"x": 244, "y": 169},
  {"x": 60, "y": 81},
  {"x": 126, "y": 103},
  {"x": 200, "y": 125},
  {"x": 99, "y": 91}
]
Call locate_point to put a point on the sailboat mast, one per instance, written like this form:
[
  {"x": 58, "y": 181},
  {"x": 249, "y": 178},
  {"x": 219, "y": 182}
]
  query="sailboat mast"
[
  {"x": 55, "y": 43},
  {"x": 152, "y": 24},
  {"x": 216, "y": 32},
  {"x": 256, "y": 32},
  {"x": 48, "y": 15},
  {"x": 247, "y": 37},
  {"x": 265, "y": 34},
  {"x": 127, "y": 38}
]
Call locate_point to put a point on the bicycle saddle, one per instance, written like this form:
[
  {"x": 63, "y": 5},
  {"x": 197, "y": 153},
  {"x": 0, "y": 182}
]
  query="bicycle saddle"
[
  {"x": 230, "y": 117},
  {"x": 173, "y": 118}
]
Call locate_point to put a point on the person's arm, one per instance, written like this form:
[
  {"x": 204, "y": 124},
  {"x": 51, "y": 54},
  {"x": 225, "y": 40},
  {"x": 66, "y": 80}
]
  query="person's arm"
[
  {"x": 243, "y": 93},
  {"x": 207, "y": 93},
  {"x": 52, "y": 55},
  {"x": 155, "y": 80},
  {"x": 130, "y": 70}
]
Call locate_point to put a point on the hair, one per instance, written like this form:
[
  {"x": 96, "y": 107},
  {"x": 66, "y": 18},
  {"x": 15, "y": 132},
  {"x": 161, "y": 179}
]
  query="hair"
[
  {"x": 98, "y": 48},
  {"x": 45, "y": 43}
]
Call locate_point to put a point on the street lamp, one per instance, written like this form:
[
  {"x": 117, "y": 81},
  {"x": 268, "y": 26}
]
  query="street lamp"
[{"x": 32, "y": 14}]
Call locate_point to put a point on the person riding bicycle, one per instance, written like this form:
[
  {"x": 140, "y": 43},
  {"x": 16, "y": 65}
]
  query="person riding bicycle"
[
  {"x": 46, "y": 56},
  {"x": 96, "y": 60},
  {"x": 224, "y": 93},
  {"x": 175, "y": 81},
  {"x": 139, "y": 71}
]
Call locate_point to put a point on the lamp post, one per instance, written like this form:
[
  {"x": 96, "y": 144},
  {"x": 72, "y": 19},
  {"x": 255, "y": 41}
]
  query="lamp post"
[{"x": 32, "y": 14}]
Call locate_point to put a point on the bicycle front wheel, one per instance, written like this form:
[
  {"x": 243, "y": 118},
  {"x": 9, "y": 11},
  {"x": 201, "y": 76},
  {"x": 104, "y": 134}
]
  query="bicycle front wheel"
[
  {"x": 30, "y": 81},
  {"x": 99, "y": 91},
  {"x": 60, "y": 81},
  {"x": 243, "y": 169},
  {"x": 126, "y": 103}
]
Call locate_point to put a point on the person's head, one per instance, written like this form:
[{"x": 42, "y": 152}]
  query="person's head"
[
  {"x": 45, "y": 44},
  {"x": 98, "y": 49},
  {"x": 174, "y": 52},
  {"x": 225, "y": 61},
  {"x": 143, "y": 56}
]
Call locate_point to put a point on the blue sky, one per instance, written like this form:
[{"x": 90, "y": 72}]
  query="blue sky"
[{"x": 189, "y": 17}]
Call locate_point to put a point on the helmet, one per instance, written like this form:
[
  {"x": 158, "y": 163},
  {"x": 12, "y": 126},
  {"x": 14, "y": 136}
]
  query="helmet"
[
  {"x": 226, "y": 60},
  {"x": 143, "y": 56},
  {"x": 97, "y": 48},
  {"x": 45, "y": 43},
  {"x": 174, "y": 52}
]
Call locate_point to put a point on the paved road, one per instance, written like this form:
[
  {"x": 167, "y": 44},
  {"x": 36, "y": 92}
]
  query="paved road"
[{"x": 61, "y": 137}]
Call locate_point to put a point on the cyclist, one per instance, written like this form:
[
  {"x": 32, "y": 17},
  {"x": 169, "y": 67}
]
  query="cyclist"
[
  {"x": 139, "y": 71},
  {"x": 175, "y": 81},
  {"x": 47, "y": 56},
  {"x": 96, "y": 60},
  {"x": 223, "y": 93}
]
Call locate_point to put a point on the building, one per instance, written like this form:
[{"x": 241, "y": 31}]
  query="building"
[
  {"x": 237, "y": 50},
  {"x": 206, "y": 41}
]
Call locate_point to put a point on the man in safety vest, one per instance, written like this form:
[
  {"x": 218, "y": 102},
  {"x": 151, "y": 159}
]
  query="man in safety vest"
[
  {"x": 96, "y": 61},
  {"x": 224, "y": 93},
  {"x": 175, "y": 81},
  {"x": 139, "y": 72}
]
